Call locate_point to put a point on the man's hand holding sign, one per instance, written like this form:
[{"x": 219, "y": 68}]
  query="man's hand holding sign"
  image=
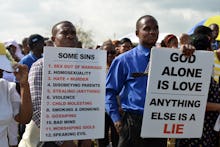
[{"x": 177, "y": 92}]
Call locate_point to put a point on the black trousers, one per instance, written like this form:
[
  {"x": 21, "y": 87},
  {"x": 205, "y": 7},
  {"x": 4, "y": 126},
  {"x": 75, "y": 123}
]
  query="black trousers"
[
  {"x": 113, "y": 136},
  {"x": 131, "y": 130}
]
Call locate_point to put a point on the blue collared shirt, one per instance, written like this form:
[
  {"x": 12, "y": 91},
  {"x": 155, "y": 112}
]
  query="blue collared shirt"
[
  {"x": 132, "y": 91},
  {"x": 28, "y": 60}
]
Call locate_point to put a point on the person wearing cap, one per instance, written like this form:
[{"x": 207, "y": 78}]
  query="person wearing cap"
[
  {"x": 12, "y": 105},
  {"x": 14, "y": 50},
  {"x": 36, "y": 45}
]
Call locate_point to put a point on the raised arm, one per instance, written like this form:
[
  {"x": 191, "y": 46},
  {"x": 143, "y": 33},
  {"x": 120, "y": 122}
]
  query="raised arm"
[{"x": 25, "y": 114}]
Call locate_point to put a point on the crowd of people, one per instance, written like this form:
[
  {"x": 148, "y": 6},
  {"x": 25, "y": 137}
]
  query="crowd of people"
[{"x": 126, "y": 84}]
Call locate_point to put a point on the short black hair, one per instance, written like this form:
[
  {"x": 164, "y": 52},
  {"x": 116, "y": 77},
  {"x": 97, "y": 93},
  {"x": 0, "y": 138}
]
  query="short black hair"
[
  {"x": 203, "y": 30},
  {"x": 200, "y": 41},
  {"x": 61, "y": 22},
  {"x": 142, "y": 17},
  {"x": 124, "y": 40}
]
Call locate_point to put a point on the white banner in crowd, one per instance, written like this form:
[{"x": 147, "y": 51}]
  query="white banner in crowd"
[
  {"x": 73, "y": 94},
  {"x": 176, "y": 94}
]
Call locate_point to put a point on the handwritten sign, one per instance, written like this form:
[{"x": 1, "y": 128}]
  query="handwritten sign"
[
  {"x": 176, "y": 94},
  {"x": 73, "y": 94}
]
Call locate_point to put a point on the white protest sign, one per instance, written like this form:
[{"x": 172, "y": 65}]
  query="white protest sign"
[
  {"x": 73, "y": 94},
  {"x": 176, "y": 94}
]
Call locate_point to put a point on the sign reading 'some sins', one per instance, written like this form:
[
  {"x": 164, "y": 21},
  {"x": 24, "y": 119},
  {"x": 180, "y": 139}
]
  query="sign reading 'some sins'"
[
  {"x": 176, "y": 94},
  {"x": 73, "y": 94}
]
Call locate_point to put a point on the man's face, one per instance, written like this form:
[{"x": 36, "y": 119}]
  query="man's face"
[
  {"x": 65, "y": 36},
  {"x": 147, "y": 32},
  {"x": 215, "y": 31},
  {"x": 12, "y": 49},
  {"x": 38, "y": 47}
]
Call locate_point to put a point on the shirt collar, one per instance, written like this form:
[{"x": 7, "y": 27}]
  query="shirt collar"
[
  {"x": 33, "y": 56},
  {"x": 145, "y": 51}
]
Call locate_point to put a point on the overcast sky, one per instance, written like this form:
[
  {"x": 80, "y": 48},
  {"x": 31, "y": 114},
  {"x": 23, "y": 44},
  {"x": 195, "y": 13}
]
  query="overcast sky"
[{"x": 105, "y": 18}]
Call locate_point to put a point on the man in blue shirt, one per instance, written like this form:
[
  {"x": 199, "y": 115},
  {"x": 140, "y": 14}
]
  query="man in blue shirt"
[
  {"x": 36, "y": 45},
  {"x": 125, "y": 79}
]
